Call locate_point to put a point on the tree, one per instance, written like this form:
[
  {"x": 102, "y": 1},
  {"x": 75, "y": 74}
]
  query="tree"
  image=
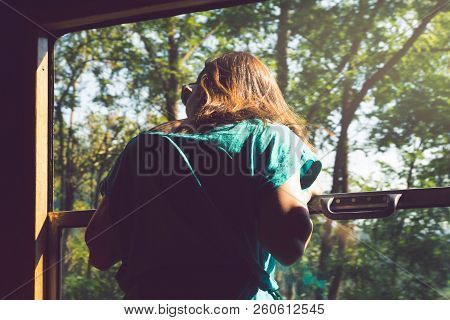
[{"x": 353, "y": 74}]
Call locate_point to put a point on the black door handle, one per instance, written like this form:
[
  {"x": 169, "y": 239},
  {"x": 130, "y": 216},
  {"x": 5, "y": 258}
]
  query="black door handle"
[{"x": 345, "y": 207}]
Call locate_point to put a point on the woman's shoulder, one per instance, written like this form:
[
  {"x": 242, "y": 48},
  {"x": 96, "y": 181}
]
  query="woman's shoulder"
[
  {"x": 262, "y": 132},
  {"x": 275, "y": 134},
  {"x": 263, "y": 129}
]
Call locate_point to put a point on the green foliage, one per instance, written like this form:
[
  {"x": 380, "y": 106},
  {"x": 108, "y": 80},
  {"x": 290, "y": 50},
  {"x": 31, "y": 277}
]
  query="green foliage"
[
  {"x": 81, "y": 280},
  {"x": 402, "y": 257}
]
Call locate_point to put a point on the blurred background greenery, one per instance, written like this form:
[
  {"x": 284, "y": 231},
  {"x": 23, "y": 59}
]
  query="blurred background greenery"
[{"x": 370, "y": 77}]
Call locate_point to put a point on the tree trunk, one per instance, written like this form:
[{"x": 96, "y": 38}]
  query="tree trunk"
[
  {"x": 69, "y": 189},
  {"x": 88, "y": 271},
  {"x": 340, "y": 172},
  {"x": 338, "y": 274},
  {"x": 69, "y": 192},
  {"x": 60, "y": 120},
  {"x": 411, "y": 167},
  {"x": 172, "y": 93},
  {"x": 340, "y": 182},
  {"x": 325, "y": 250},
  {"x": 340, "y": 185},
  {"x": 282, "y": 44}
]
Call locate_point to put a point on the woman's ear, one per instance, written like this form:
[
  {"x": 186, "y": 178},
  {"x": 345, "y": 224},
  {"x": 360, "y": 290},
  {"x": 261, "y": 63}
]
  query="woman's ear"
[{"x": 195, "y": 101}]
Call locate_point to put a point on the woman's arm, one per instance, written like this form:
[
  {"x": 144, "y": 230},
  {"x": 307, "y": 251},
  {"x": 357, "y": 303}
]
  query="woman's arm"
[
  {"x": 102, "y": 239},
  {"x": 285, "y": 227}
]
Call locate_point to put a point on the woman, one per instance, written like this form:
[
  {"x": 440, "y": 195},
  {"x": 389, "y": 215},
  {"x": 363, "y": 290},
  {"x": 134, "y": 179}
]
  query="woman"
[{"x": 217, "y": 233}]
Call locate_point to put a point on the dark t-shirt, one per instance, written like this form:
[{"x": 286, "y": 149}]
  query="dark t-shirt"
[{"x": 173, "y": 193}]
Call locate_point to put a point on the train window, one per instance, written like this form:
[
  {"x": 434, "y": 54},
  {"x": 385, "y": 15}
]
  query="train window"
[{"x": 369, "y": 77}]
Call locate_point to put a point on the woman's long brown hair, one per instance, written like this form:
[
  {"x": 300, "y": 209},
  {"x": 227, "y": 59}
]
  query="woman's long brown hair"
[{"x": 237, "y": 86}]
